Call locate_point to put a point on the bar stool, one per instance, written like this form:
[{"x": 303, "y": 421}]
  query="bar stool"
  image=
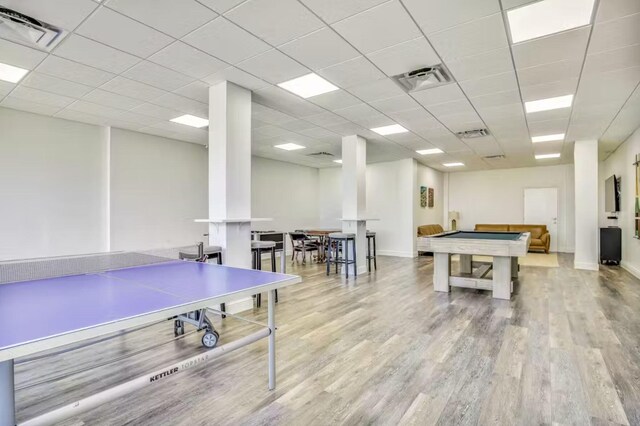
[
  {"x": 257, "y": 248},
  {"x": 371, "y": 236},
  {"x": 341, "y": 241},
  {"x": 208, "y": 252}
]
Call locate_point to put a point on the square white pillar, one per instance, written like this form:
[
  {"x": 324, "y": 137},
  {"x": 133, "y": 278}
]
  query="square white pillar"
[
  {"x": 230, "y": 176},
  {"x": 354, "y": 196},
  {"x": 586, "y": 204}
]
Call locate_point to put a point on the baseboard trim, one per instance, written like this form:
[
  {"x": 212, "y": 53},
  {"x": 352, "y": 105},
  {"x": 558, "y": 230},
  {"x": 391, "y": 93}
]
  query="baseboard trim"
[
  {"x": 630, "y": 269},
  {"x": 395, "y": 253},
  {"x": 587, "y": 266}
]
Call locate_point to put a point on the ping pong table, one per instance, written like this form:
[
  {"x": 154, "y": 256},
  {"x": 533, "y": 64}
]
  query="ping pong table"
[{"x": 79, "y": 306}]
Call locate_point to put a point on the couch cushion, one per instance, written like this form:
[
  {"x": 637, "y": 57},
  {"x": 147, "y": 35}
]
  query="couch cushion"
[
  {"x": 429, "y": 229},
  {"x": 492, "y": 227},
  {"x": 537, "y": 242},
  {"x": 535, "y": 230}
]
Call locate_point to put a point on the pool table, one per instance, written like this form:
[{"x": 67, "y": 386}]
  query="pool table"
[{"x": 503, "y": 247}]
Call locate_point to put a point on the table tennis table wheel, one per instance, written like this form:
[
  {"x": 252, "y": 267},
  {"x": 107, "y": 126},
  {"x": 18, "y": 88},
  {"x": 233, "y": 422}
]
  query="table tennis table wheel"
[
  {"x": 178, "y": 328},
  {"x": 210, "y": 339}
]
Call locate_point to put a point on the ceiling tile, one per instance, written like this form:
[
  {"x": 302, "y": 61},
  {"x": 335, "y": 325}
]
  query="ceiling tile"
[
  {"x": 613, "y": 9},
  {"x": 439, "y": 94},
  {"x": 6, "y": 87},
  {"x": 275, "y": 22},
  {"x": 335, "y": 100},
  {"x": 55, "y": 85},
  {"x": 82, "y": 117},
  {"x": 460, "y": 106},
  {"x": 183, "y": 104},
  {"x": 41, "y": 97},
  {"x": 351, "y": 72},
  {"x": 555, "y": 71},
  {"x": 478, "y": 66},
  {"x": 609, "y": 60},
  {"x": 174, "y": 17},
  {"x": 556, "y": 114},
  {"x": 435, "y": 15},
  {"x": 606, "y": 87},
  {"x": 320, "y": 49},
  {"x": 273, "y": 66},
  {"x": 157, "y": 76},
  {"x": 95, "y": 109},
  {"x": 73, "y": 71},
  {"x": 102, "y": 97},
  {"x": 496, "y": 99},
  {"x": 238, "y": 77},
  {"x": 404, "y": 57},
  {"x": 156, "y": 111},
  {"x": 20, "y": 56},
  {"x": 471, "y": 38},
  {"x": 221, "y": 6},
  {"x": 187, "y": 60},
  {"x": 549, "y": 90},
  {"x": 226, "y": 41},
  {"x": 197, "y": 90},
  {"x": 557, "y": 47},
  {"x": 615, "y": 34},
  {"x": 376, "y": 90},
  {"x": 29, "y": 106},
  {"x": 364, "y": 29},
  {"x": 495, "y": 83},
  {"x": 416, "y": 120},
  {"x": 123, "y": 33},
  {"x": 67, "y": 14},
  {"x": 89, "y": 52},
  {"x": 326, "y": 119},
  {"x": 125, "y": 87},
  {"x": 395, "y": 104},
  {"x": 448, "y": 143},
  {"x": 335, "y": 10}
]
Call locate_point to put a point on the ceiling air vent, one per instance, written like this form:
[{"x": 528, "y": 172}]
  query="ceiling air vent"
[
  {"x": 471, "y": 134},
  {"x": 23, "y": 29},
  {"x": 320, "y": 154},
  {"x": 424, "y": 78},
  {"x": 494, "y": 157}
]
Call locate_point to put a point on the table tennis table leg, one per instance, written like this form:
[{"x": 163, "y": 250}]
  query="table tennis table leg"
[
  {"x": 7, "y": 394},
  {"x": 271, "y": 322}
]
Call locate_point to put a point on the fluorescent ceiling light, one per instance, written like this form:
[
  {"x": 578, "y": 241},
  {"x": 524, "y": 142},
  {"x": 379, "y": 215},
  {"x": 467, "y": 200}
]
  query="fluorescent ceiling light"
[
  {"x": 544, "y": 156},
  {"x": 389, "y": 130},
  {"x": 289, "y": 146},
  {"x": 429, "y": 151},
  {"x": 549, "y": 103},
  {"x": 337, "y": 161},
  {"x": 453, "y": 164},
  {"x": 548, "y": 17},
  {"x": 548, "y": 138},
  {"x": 11, "y": 74},
  {"x": 308, "y": 85},
  {"x": 191, "y": 120}
]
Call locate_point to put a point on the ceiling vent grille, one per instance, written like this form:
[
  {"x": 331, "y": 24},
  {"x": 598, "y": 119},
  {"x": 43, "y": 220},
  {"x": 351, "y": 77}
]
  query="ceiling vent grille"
[
  {"x": 494, "y": 157},
  {"x": 21, "y": 28},
  {"x": 472, "y": 134},
  {"x": 320, "y": 154},
  {"x": 424, "y": 78}
]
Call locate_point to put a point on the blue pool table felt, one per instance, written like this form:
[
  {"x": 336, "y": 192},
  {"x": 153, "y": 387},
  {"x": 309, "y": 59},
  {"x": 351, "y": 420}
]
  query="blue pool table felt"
[{"x": 481, "y": 235}]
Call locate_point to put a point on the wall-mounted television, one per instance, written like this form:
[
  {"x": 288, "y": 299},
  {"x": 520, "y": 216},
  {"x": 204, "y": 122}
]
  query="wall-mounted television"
[{"x": 612, "y": 194}]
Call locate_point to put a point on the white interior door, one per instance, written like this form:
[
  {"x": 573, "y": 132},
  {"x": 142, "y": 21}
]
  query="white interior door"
[{"x": 541, "y": 207}]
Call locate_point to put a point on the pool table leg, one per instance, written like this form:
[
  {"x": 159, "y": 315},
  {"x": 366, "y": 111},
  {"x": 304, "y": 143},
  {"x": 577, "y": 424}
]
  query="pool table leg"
[
  {"x": 441, "y": 271},
  {"x": 7, "y": 398},
  {"x": 465, "y": 263},
  {"x": 502, "y": 277}
]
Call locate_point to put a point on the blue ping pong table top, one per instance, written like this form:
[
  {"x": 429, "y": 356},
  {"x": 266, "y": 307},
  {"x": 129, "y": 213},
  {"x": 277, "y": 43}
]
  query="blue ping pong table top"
[{"x": 39, "y": 309}]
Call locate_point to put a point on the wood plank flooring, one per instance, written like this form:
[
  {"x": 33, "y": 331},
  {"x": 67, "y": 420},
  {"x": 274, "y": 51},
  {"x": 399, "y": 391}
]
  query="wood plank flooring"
[{"x": 386, "y": 349}]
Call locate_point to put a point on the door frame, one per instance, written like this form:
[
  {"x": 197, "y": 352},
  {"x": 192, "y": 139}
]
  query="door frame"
[{"x": 555, "y": 239}]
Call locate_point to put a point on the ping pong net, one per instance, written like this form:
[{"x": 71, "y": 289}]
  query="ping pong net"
[{"x": 52, "y": 267}]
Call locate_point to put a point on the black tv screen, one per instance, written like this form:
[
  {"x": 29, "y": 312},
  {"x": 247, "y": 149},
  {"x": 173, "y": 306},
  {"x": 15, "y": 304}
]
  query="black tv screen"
[{"x": 612, "y": 194}]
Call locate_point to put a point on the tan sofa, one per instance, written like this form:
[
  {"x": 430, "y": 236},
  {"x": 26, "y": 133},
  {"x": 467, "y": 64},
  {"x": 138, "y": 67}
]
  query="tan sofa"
[
  {"x": 540, "y": 238},
  {"x": 426, "y": 230}
]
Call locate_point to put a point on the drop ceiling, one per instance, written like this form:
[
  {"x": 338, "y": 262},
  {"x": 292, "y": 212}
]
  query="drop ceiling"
[{"x": 136, "y": 64}]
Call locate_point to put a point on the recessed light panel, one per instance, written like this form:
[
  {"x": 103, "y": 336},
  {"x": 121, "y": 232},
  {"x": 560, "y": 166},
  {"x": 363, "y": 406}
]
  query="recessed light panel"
[
  {"x": 337, "y": 161},
  {"x": 453, "y": 164},
  {"x": 308, "y": 85},
  {"x": 548, "y": 138},
  {"x": 11, "y": 74},
  {"x": 545, "y": 156},
  {"x": 549, "y": 104},
  {"x": 429, "y": 151},
  {"x": 389, "y": 130},
  {"x": 548, "y": 17},
  {"x": 289, "y": 146},
  {"x": 191, "y": 120}
]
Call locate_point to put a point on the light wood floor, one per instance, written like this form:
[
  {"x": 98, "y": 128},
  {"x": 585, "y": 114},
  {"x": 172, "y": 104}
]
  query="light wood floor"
[{"x": 386, "y": 349}]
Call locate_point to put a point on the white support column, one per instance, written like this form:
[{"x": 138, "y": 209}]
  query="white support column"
[
  {"x": 354, "y": 196},
  {"x": 586, "y": 204},
  {"x": 230, "y": 175}
]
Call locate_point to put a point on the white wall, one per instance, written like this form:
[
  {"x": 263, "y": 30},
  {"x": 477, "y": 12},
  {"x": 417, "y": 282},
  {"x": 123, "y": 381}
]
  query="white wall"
[
  {"x": 497, "y": 196},
  {"x": 53, "y": 186},
  {"x": 158, "y": 187},
  {"x": 430, "y": 178},
  {"x": 620, "y": 164}
]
